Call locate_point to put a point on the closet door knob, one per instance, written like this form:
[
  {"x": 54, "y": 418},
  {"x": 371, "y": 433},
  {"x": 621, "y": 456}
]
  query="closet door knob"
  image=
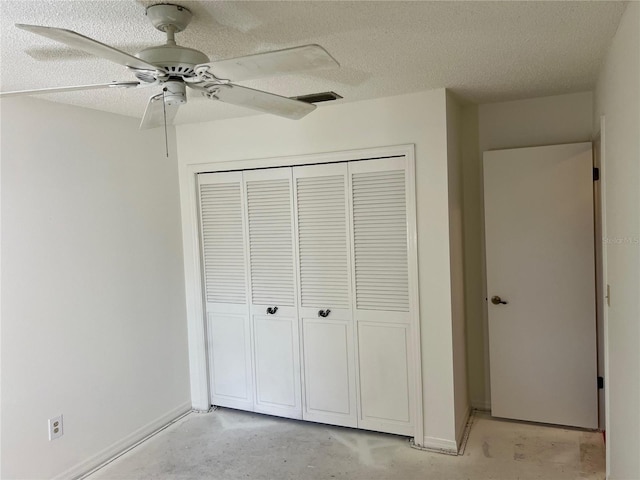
[
  {"x": 496, "y": 300},
  {"x": 271, "y": 310},
  {"x": 324, "y": 313}
]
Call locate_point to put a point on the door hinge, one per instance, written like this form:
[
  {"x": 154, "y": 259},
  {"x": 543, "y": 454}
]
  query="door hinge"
[
  {"x": 600, "y": 383},
  {"x": 596, "y": 174}
]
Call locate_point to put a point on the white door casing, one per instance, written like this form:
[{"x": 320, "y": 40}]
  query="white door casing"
[{"x": 540, "y": 259}]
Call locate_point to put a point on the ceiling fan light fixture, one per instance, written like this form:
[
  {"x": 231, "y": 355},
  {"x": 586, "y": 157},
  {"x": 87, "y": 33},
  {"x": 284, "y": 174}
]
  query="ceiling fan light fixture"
[{"x": 175, "y": 92}]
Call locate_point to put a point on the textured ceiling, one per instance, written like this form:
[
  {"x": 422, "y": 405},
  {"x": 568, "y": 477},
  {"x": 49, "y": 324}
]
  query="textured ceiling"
[{"x": 483, "y": 51}]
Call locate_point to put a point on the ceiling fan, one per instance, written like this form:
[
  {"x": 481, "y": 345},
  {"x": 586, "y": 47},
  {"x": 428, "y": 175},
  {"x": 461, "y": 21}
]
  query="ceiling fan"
[{"x": 174, "y": 67}]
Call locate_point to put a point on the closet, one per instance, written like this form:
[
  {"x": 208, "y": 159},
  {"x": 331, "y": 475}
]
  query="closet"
[{"x": 309, "y": 286}]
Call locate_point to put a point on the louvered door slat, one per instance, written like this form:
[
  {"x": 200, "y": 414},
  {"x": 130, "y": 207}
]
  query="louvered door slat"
[
  {"x": 322, "y": 238},
  {"x": 380, "y": 241},
  {"x": 270, "y": 241},
  {"x": 222, "y": 242}
]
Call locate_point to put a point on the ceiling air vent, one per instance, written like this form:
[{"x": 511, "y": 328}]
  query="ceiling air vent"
[{"x": 318, "y": 97}]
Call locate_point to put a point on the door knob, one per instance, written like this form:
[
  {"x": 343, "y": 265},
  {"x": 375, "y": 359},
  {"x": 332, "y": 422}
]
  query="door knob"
[
  {"x": 496, "y": 300},
  {"x": 272, "y": 310},
  {"x": 324, "y": 313}
]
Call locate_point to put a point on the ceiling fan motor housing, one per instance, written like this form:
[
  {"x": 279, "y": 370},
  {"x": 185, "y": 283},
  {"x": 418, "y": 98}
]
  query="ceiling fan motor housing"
[{"x": 176, "y": 60}]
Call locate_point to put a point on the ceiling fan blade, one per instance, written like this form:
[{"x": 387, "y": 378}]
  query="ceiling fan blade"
[
  {"x": 89, "y": 45},
  {"x": 154, "y": 113},
  {"x": 74, "y": 88},
  {"x": 279, "y": 62},
  {"x": 262, "y": 101}
]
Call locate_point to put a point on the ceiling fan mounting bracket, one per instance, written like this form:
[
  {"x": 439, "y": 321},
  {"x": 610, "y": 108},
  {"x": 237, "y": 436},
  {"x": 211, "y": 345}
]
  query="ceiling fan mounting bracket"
[{"x": 164, "y": 15}]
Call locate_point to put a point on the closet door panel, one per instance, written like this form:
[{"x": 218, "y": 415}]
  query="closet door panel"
[
  {"x": 228, "y": 337},
  {"x": 271, "y": 239},
  {"x": 322, "y": 213},
  {"x": 380, "y": 239},
  {"x": 328, "y": 385},
  {"x": 277, "y": 370},
  {"x": 273, "y": 293},
  {"x": 379, "y": 224},
  {"x": 384, "y": 377},
  {"x": 323, "y": 236},
  {"x": 225, "y": 289}
]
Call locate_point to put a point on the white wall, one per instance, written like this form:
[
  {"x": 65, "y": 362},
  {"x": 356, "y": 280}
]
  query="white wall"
[
  {"x": 456, "y": 234},
  {"x": 93, "y": 317},
  {"x": 523, "y": 123},
  {"x": 536, "y": 121},
  {"x": 416, "y": 118},
  {"x": 618, "y": 99},
  {"x": 477, "y": 358}
]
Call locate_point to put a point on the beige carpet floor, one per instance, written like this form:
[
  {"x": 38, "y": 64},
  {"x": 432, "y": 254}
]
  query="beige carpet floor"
[{"x": 229, "y": 444}]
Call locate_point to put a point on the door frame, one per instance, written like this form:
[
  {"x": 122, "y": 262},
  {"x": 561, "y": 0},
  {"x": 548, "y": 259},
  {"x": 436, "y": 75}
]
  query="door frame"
[
  {"x": 196, "y": 317},
  {"x": 603, "y": 298},
  {"x": 600, "y": 264}
]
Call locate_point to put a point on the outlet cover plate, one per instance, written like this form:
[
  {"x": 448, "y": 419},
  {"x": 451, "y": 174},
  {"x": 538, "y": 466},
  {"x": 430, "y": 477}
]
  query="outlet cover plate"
[{"x": 55, "y": 427}]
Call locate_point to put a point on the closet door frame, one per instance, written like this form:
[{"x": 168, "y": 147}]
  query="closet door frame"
[{"x": 196, "y": 319}]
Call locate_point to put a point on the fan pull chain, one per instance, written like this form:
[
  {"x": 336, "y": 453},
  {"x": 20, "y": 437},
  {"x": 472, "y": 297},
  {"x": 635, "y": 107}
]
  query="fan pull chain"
[{"x": 164, "y": 111}]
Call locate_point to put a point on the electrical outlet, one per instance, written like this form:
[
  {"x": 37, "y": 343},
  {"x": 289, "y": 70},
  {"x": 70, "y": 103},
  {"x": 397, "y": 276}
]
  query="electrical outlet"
[{"x": 55, "y": 427}]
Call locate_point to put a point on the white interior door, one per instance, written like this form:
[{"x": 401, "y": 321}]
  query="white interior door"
[
  {"x": 274, "y": 315},
  {"x": 325, "y": 294},
  {"x": 540, "y": 261},
  {"x": 225, "y": 284}
]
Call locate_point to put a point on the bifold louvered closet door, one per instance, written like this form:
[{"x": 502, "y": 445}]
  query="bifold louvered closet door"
[
  {"x": 274, "y": 313},
  {"x": 310, "y": 293},
  {"x": 222, "y": 210},
  {"x": 382, "y": 295},
  {"x": 322, "y": 207}
]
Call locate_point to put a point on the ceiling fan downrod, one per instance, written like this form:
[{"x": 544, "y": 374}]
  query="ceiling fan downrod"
[{"x": 171, "y": 35}]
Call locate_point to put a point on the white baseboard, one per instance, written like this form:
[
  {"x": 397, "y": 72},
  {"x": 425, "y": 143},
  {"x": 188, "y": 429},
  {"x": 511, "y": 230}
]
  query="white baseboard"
[
  {"x": 448, "y": 447},
  {"x": 123, "y": 445},
  {"x": 463, "y": 426},
  {"x": 439, "y": 445},
  {"x": 481, "y": 405},
  {"x": 463, "y": 435}
]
